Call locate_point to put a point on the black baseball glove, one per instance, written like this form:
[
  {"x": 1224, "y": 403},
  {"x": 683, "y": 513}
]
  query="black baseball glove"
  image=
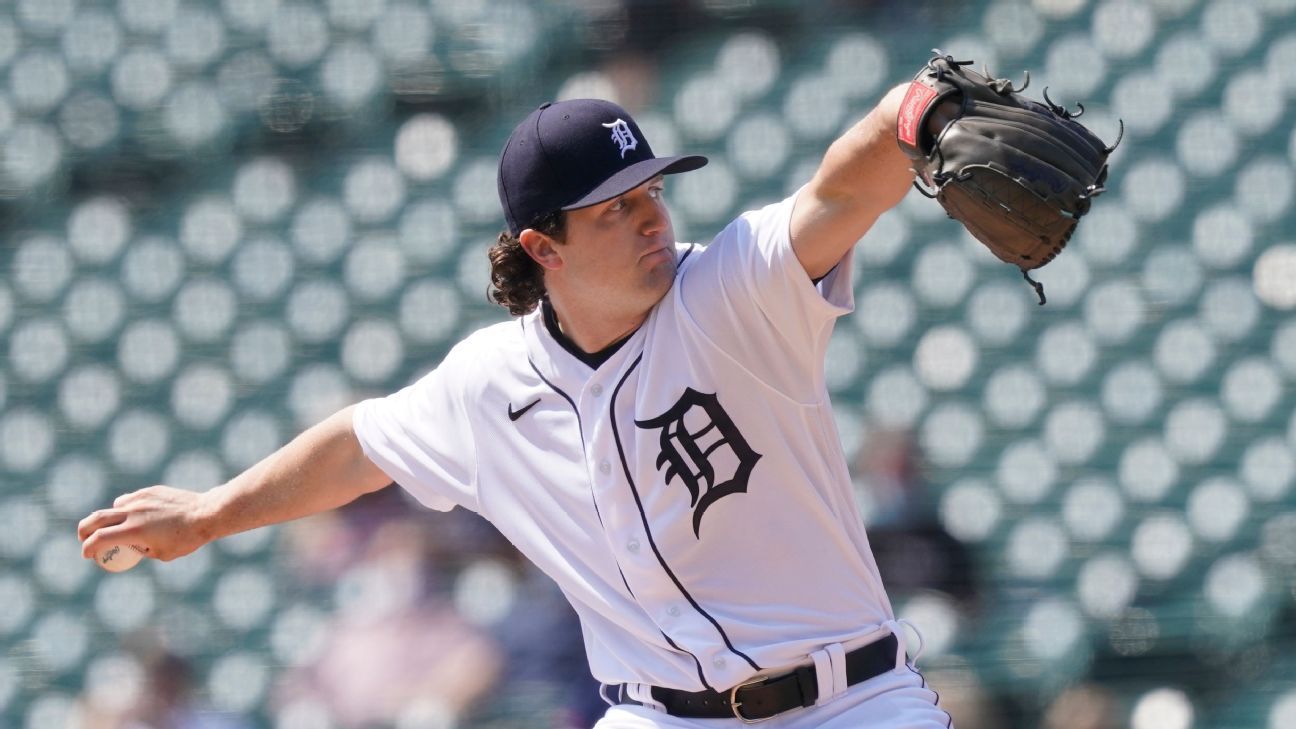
[{"x": 1017, "y": 173}]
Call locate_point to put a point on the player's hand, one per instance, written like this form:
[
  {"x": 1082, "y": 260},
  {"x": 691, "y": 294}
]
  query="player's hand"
[
  {"x": 163, "y": 522},
  {"x": 946, "y": 112}
]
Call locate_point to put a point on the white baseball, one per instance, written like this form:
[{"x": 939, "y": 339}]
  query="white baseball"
[{"x": 120, "y": 557}]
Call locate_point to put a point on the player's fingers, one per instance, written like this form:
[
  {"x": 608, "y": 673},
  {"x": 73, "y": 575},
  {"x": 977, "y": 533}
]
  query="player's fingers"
[
  {"x": 940, "y": 118},
  {"x": 103, "y": 539},
  {"x": 122, "y": 500},
  {"x": 98, "y": 520}
]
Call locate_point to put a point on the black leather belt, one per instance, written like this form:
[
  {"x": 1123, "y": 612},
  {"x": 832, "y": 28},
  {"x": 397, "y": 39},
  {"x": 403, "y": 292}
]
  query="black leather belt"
[{"x": 764, "y": 698}]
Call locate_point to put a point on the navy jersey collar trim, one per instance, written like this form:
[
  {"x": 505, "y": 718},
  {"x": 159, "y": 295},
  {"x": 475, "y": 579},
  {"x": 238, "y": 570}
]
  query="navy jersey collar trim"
[{"x": 593, "y": 360}]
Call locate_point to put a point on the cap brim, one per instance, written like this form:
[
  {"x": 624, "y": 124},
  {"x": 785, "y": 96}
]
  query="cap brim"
[{"x": 636, "y": 175}]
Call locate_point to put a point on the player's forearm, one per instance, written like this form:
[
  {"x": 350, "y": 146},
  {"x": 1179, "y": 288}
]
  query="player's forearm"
[
  {"x": 321, "y": 469},
  {"x": 863, "y": 174},
  {"x": 866, "y": 163}
]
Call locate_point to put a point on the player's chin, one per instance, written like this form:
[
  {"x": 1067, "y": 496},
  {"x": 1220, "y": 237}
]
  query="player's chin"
[
  {"x": 658, "y": 278},
  {"x": 659, "y": 268}
]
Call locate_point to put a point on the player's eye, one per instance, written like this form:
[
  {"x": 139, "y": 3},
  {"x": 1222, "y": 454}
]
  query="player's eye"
[
  {"x": 617, "y": 205},
  {"x": 657, "y": 190}
]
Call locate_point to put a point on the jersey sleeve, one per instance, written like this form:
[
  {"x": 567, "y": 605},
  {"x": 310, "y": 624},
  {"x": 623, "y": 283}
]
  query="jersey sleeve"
[
  {"x": 421, "y": 436},
  {"x": 749, "y": 294}
]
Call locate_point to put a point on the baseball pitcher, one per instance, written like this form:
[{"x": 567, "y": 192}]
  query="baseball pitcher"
[{"x": 652, "y": 428}]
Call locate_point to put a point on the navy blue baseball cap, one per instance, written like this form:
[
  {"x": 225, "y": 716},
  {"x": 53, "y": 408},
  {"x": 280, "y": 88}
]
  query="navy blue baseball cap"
[{"x": 573, "y": 154}]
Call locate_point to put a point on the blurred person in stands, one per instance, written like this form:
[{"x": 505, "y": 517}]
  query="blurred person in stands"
[
  {"x": 964, "y": 696},
  {"x": 166, "y": 698},
  {"x": 546, "y": 680},
  {"x": 913, "y": 549},
  {"x": 1084, "y": 706},
  {"x": 396, "y": 647}
]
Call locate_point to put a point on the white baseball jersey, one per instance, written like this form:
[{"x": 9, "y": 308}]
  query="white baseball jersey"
[{"x": 690, "y": 495}]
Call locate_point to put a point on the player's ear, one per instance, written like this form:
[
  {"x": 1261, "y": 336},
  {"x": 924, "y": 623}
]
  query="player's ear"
[{"x": 542, "y": 248}]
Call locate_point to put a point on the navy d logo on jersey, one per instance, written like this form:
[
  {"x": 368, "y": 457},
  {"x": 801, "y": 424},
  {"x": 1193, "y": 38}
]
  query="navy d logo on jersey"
[
  {"x": 702, "y": 447},
  {"x": 622, "y": 136}
]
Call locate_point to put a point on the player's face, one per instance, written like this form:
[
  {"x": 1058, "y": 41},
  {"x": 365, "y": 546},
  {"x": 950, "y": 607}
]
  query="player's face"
[{"x": 624, "y": 247}]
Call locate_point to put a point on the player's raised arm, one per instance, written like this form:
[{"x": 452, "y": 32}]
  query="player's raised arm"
[
  {"x": 863, "y": 174},
  {"x": 321, "y": 469}
]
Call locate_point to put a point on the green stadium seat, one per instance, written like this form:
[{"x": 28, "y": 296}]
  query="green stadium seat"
[
  {"x": 181, "y": 576},
  {"x": 1228, "y": 308},
  {"x": 1267, "y": 469},
  {"x": 317, "y": 391},
  {"x": 1231, "y": 27},
  {"x": 1123, "y": 29},
  {"x": 1107, "y": 585},
  {"x": 1132, "y": 392},
  {"x": 1263, "y": 190},
  {"x": 125, "y": 603},
  {"x": 1162, "y": 707},
  {"x": 1171, "y": 276},
  {"x": 1194, "y": 430},
  {"x": 1161, "y": 546},
  {"x": 1026, "y": 472},
  {"x": 1093, "y": 509},
  {"x": 895, "y": 397},
  {"x": 93, "y": 309},
  {"x": 1036, "y": 549},
  {"x": 1184, "y": 351},
  {"x": 204, "y": 309},
  {"x": 942, "y": 274},
  {"x": 262, "y": 269},
  {"x": 260, "y": 350},
  {"x": 238, "y": 682},
  {"x": 887, "y": 312},
  {"x": 1065, "y": 353},
  {"x": 951, "y": 434},
  {"x": 1153, "y": 189},
  {"x": 1109, "y": 235},
  {"x": 76, "y": 485},
  {"x": 50, "y": 710},
  {"x": 1251, "y": 389},
  {"x": 1074, "y": 67},
  {"x": 750, "y": 63},
  {"x": 201, "y": 396},
  {"x": 971, "y": 510},
  {"x": 248, "y": 436},
  {"x": 940, "y": 618},
  {"x": 243, "y": 598},
  {"x": 1217, "y": 508}
]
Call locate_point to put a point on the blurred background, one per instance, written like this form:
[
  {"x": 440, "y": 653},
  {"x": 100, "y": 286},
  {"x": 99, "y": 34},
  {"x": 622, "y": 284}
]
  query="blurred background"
[{"x": 223, "y": 220}]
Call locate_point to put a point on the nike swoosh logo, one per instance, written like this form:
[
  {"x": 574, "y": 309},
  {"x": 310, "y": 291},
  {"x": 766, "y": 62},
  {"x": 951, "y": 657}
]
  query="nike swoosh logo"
[{"x": 514, "y": 415}]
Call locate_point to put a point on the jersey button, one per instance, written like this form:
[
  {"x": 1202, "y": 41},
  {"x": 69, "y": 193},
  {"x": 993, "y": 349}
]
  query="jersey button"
[
  {"x": 596, "y": 390},
  {"x": 633, "y": 546},
  {"x": 605, "y": 467},
  {"x": 718, "y": 661},
  {"x": 673, "y": 611}
]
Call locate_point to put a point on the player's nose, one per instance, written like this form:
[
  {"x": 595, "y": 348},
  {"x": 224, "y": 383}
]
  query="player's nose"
[{"x": 655, "y": 218}]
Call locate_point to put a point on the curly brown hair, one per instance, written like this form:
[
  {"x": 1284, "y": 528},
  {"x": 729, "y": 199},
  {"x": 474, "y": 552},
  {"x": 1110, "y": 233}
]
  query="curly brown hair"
[{"x": 517, "y": 281}]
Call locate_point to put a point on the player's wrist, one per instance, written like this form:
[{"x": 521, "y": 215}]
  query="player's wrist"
[{"x": 208, "y": 519}]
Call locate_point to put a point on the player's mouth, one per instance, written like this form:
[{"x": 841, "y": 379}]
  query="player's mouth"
[{"x": 656, "y": 254}]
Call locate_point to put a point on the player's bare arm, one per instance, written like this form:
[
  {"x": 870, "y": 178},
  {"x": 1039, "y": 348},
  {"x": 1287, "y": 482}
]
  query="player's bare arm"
[
  {"x": 863, "y": 174},
  {"x": 322, "y": 469}
]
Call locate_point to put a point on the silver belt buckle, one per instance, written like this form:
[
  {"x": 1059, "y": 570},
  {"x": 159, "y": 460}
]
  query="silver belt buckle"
[{"x": 734, "y": 703}]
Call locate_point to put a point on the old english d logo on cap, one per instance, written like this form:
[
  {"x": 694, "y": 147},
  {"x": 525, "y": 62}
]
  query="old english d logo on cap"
[
  {"x": 572, "y": 154},
  {"x": 622, "y": 136}
]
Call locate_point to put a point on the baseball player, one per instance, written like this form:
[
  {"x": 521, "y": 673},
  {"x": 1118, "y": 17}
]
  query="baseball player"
[{"x": 652, "y": 429}]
